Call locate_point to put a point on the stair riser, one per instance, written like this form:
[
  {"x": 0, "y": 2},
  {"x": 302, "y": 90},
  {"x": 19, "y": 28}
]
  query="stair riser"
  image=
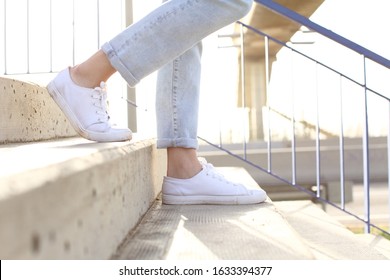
[{"x": 83, "y": 212}]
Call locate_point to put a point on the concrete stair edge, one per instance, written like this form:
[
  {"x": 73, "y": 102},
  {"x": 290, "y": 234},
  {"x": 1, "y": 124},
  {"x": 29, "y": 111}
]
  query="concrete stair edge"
[
  {"x": 28, "y": 113},
  {"x": 234, "y": 232},
  {"x": 377, "y": 242},
  {"x": 80, "y": 207},
  {"x": 210, "y": 232},
  {"x": 327, "y": 238}
]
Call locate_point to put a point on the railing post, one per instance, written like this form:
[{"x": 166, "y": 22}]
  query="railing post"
[
  {"x": 73, "y": 34},
  {"x": 388, "y": 160},
  {"x": 318, "y": 140},
  {"x": 243, "y": 95},
  {"x": 51, "y": 36},
  {"x": 98, "y": 23},
  {"x": 366, "y": 157},
  {"x": 28, "y": 36},
  {"x": 131, "y": 94},
  {"x": 341, "y": 147},
  {"x": 293, "y": 140},
  {"x": 267, "y": 94},
  {"x": 5, "y": 36}
]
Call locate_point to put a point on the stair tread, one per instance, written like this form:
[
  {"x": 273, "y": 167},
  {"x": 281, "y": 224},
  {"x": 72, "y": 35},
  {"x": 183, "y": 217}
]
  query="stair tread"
[
  {"x": 188, "y": 232},
  {"x": 327, "y": 238},
  {"x": 19, "y": 161},
  {"x": 16, "y": 158},
  {"x": 377, "y": 242}
]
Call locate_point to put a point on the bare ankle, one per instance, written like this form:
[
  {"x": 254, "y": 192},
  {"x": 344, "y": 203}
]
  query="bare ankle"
[
  {"x": 93, "y": 71},
  {"x": 182, "y": 163},
  {"x": 77, "y": 77}
]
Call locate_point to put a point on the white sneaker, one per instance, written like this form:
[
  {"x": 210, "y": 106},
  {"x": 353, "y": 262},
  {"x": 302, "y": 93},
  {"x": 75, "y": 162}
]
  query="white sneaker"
[
  {"x": 86, "y": 109},
  {"x": 208, "y": 187}
]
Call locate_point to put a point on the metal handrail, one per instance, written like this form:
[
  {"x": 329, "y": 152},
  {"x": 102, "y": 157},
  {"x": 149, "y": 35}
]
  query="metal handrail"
[
  {"x": 279, "y": 9},
  {"x": 259, "y": 32},
  {"x": 291, "y": 15},
  {"x": 367, "y": 54}
]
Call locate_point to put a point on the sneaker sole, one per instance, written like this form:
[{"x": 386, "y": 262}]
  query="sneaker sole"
[
  {"x": 218, "y": 200},
  {"x": 73, "y": 120}
]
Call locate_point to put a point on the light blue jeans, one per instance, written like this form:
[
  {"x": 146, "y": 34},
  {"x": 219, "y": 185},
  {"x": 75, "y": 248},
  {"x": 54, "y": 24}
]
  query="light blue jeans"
[{"x": 169, "y": 40}]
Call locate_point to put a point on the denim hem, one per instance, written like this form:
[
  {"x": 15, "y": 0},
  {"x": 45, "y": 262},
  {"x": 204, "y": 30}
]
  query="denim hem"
[
  {"x": 118, "y": 65},
  {"x": 178, "y": 142}
]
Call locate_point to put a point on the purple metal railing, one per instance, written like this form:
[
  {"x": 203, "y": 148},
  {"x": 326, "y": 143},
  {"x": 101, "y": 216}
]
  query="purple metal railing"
[{"x": 368, "y": 57}]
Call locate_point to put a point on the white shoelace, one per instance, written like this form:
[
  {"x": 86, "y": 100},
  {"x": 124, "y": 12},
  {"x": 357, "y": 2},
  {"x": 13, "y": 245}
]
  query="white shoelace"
[
  {"x": 100, "y": 95},
  {"x": 211, "y": 171}
]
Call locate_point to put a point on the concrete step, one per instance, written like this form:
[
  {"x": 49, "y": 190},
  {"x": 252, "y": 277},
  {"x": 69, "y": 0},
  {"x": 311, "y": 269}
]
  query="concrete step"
[
  {"x": 377, "y": 242},
  {"x": 27, "y": 113},
  {"x": 271, "y": 230},
  {"x": 329, "y": 239},
  {"x": 72, "y": 198},
  {"x": 209, "y": 232}
]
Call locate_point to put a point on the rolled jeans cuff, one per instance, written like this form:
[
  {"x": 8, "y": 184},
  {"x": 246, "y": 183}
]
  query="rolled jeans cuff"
[
  {"x": 119, "y": 65},
  {"x": 178, "y": 142}
]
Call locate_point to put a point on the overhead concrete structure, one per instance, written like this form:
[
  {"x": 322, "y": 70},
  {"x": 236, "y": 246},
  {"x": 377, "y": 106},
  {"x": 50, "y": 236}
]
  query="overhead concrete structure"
[
  {"x": 278, "y": 27},
  {"x": 275, "y": 25}
]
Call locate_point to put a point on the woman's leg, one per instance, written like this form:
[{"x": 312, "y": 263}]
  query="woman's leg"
[
  {"x": 93, "y": 71},
  {"x": 163, "y": 35},
  {"x": 167, "y": 32},
  {"x": 177, "y": 106},
  {"x": 188, "y": 180},
  {"x": 177, "y": 99},
  {"x": 170, "y": 33}
]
